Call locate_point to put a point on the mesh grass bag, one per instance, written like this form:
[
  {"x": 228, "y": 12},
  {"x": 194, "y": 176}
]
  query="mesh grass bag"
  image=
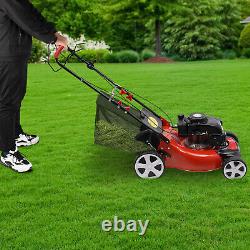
[{"x": 116, "y": 129}]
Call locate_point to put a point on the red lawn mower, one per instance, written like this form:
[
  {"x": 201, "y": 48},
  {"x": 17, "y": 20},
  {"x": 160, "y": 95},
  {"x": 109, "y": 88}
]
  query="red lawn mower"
[{"x": 198, "y": 143}]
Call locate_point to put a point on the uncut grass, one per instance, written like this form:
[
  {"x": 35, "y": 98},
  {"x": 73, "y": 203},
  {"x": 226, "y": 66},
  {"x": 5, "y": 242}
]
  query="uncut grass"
[{"x": 76, "y": 184}]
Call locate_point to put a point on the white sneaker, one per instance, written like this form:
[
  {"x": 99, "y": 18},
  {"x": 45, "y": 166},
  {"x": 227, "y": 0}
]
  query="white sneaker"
[
  {"x": 25, "y": 140},
  {"x": 15, "y": 161}
]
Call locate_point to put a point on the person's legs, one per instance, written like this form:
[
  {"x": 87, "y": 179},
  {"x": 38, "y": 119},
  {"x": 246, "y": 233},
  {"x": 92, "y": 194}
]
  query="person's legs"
[
  {"x": 23, "y": 139},
  {"x": 13, "y": 79}
]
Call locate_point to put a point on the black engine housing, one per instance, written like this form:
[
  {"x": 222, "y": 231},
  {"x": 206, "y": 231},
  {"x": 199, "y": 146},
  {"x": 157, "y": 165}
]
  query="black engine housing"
[{"x": 201, "y": 131}]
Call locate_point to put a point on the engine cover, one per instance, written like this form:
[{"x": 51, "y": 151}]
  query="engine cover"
[{"x": 201, "y": 131}]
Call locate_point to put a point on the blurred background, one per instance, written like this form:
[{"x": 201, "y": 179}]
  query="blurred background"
[{"x": 151, "y": 30}]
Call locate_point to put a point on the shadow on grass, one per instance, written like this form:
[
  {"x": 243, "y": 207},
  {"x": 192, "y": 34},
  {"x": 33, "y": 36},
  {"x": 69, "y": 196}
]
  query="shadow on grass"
[{"x": 111, "y": 162}]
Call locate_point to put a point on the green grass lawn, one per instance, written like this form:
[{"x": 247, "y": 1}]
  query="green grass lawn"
[{"x": 75, "y": 185}]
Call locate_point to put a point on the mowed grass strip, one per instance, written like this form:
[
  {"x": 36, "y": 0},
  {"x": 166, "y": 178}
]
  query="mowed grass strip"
[{"x": 76, "y": 185}]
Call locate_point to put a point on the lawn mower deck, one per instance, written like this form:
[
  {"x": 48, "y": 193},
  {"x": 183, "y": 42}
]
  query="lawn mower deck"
[{"x": 198, "y": 143}]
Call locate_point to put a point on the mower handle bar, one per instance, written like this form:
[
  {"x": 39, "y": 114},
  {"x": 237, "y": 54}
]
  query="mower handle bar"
[
  {"x": 91, "y": 66},
  {"x": 59, "y": 50}
]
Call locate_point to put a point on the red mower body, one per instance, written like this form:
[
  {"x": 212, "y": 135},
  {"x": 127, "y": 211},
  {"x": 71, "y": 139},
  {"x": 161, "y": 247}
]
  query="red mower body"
[{"x": 181, "y": 157}]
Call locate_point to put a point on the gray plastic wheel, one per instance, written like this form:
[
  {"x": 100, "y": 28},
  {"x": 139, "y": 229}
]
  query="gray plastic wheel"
[
  {"x": 234, "y": 168},
  {"x": 149, "y": 165}
]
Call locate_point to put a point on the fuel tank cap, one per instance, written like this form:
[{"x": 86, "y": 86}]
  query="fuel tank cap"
[{"x": 198, "y": 117}]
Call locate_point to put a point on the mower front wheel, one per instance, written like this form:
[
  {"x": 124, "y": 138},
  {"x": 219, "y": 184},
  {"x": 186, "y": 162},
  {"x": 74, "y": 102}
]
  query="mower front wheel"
[
  {"x": 149, "y": 165},
  {"x": 234, "y": 168}
]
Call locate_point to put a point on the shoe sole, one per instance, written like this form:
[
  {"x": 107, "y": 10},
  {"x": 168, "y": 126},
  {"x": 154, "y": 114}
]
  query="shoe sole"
[{"x": 20, "y": 172}]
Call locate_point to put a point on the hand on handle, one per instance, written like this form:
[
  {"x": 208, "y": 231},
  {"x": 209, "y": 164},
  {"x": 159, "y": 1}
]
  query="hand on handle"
[
  {"x": 61, "y": 40},
  {"x": 59, "y": 50},
  {"x": 61, "y": 44}
]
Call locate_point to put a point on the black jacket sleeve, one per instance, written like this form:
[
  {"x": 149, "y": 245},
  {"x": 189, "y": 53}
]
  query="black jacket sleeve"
[{"x": 29, "y": 19}]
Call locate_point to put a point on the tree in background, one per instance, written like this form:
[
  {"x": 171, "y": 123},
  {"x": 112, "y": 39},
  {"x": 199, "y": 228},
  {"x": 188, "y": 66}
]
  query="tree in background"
[
  {"x": 193, "y": 31},
  {"x": 245, "y": 37},
  {"x": 229, "y": 11},
  {"x": 124, "y": 28},
  {"x": 156, "y": 11},
  {"x": 244, "y": 8},
  {"x": 245, "y": 41},
  {"x": 123, "y": 14},
  {"x": 73, "y": 17}
]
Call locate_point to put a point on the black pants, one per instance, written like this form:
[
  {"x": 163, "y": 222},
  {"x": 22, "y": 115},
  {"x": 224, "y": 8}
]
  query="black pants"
[{"x": 13, "y": 81}]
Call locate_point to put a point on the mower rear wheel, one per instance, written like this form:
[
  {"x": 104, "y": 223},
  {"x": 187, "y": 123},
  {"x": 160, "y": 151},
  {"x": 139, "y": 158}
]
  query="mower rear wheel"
[
  {"x": 149, "y": 165},
  {"x": 234, "y": 168}
]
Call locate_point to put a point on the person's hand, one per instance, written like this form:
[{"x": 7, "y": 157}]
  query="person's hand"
[{"x": 61, "y": 40}]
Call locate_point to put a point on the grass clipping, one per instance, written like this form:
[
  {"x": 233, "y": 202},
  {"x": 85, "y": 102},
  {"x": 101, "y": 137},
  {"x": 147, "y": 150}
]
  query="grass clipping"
[{"x": 114, "y": 136}]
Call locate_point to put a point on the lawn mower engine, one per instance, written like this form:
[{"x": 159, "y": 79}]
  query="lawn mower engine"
[{"x": 201, "y": 131}]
